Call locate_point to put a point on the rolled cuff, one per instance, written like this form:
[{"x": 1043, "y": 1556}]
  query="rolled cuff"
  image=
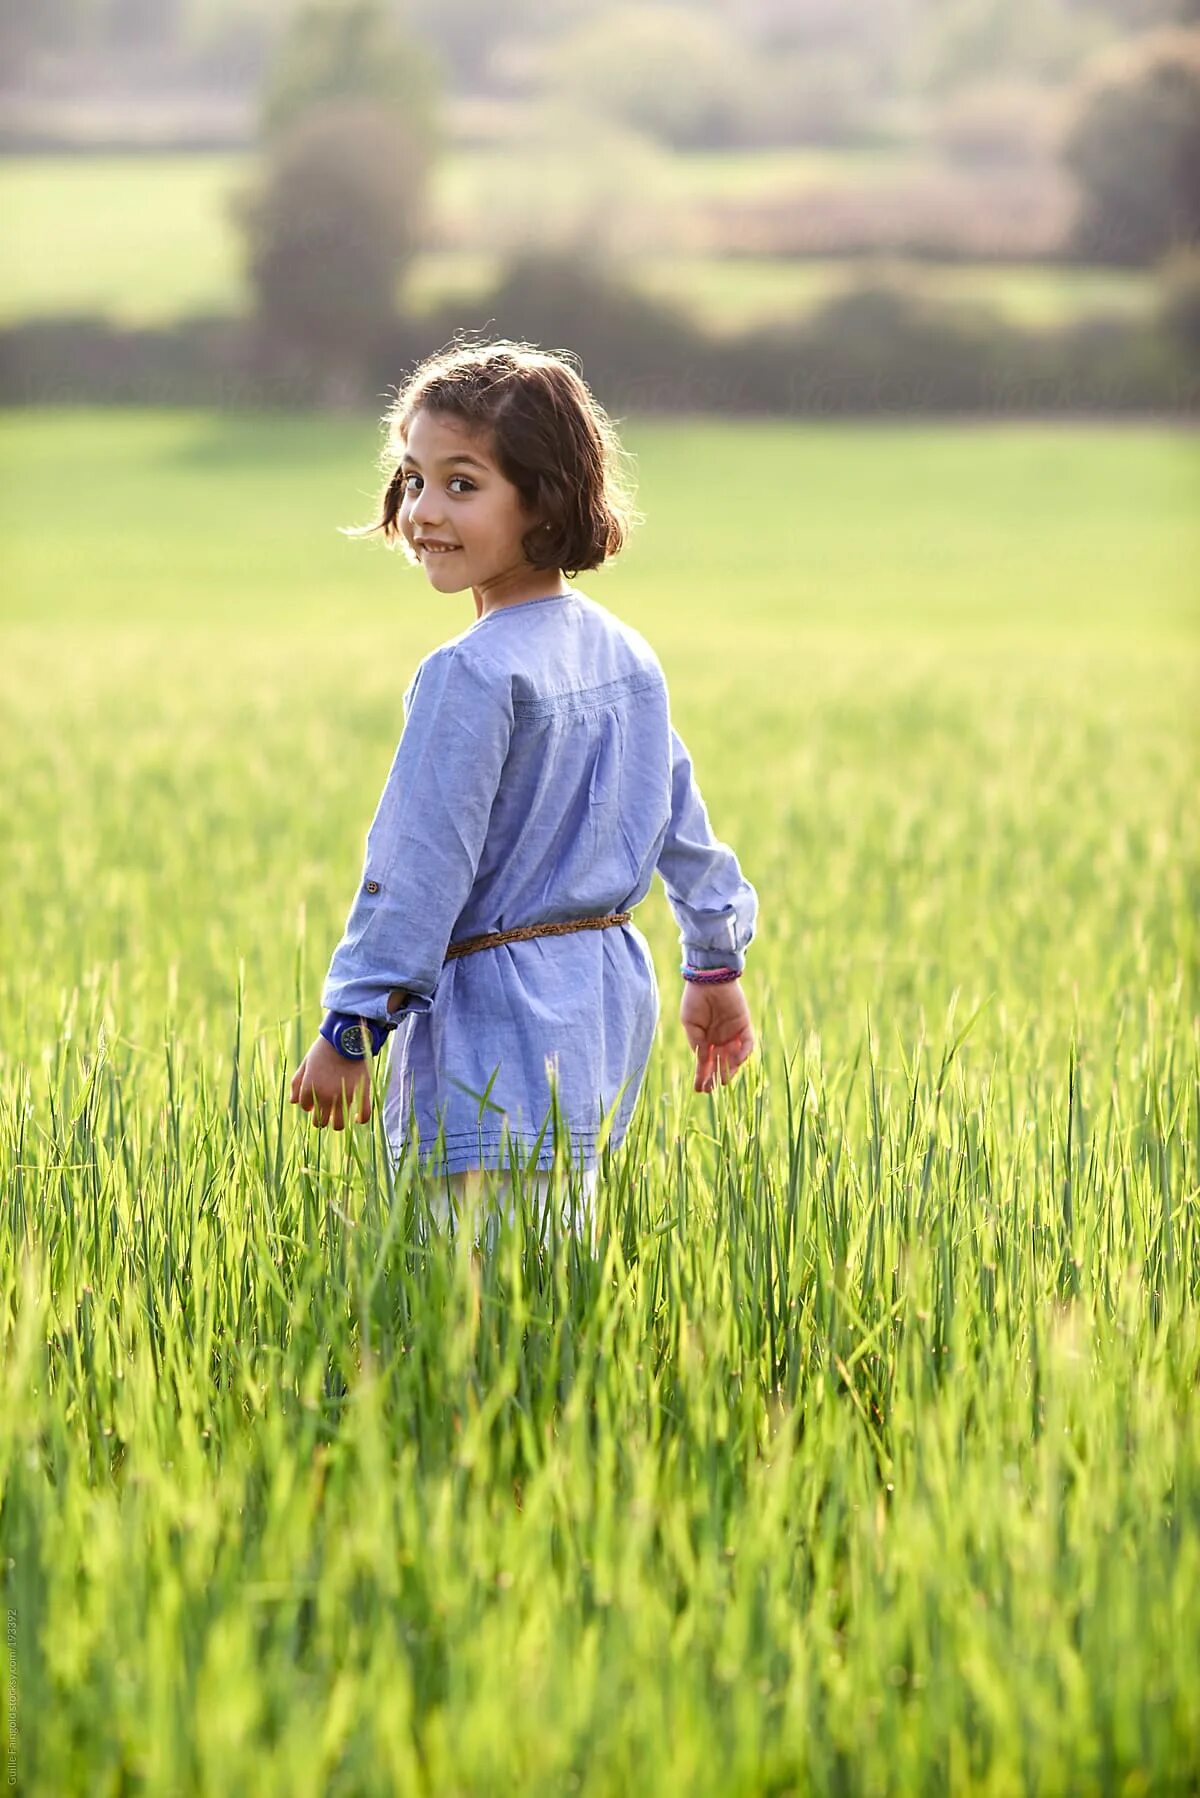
[
  {"x": 363, "y": 999},
  {"x": 696, "y": 957}
]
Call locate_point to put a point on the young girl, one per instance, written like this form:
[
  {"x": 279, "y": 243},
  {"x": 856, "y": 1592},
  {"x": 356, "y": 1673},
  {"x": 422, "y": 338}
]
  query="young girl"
[{"x": 537, "y": 787}]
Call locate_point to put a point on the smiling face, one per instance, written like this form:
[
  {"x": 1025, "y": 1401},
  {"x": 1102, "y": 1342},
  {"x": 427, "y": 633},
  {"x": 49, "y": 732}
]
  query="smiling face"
[{"x": 463, "y": 519}]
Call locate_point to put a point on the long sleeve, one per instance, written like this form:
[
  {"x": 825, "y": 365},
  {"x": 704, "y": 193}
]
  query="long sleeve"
[
  {"x": 714, "y": 904},
  {"x": 426, "y": 839}
]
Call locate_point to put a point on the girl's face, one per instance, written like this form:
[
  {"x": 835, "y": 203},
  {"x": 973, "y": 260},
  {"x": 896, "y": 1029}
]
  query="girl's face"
[{"x": 462, "y": 518}]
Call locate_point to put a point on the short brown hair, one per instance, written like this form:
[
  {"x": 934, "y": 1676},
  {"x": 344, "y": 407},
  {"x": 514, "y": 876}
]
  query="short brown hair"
[{"x": 550, "y": 437}]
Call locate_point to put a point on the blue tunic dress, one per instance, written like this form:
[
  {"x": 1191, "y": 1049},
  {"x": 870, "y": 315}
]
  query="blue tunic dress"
[{"x": 538, "y": 778}]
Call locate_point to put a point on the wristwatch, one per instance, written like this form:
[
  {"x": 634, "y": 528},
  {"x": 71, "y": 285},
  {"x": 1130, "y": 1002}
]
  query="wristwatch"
[{"x": 345, "y": 1033}]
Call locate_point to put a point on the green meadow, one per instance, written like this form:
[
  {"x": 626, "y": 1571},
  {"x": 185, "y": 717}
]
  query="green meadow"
[
  {"x": 860, "y": 1451},
  {"x": 147, "y": 240}
]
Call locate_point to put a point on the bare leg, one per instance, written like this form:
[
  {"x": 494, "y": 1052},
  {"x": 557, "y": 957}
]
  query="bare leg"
[{"x": 470, "y": 1192}]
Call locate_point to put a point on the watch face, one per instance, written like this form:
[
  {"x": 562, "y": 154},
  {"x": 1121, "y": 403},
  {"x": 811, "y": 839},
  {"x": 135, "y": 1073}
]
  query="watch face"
[{"x": 350, "y": 1040}]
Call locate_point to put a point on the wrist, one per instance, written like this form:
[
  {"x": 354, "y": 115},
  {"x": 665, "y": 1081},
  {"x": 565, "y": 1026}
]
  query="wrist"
[
  {"x": 709, "y": 976},
  {"x": 352, "y": 1036}
]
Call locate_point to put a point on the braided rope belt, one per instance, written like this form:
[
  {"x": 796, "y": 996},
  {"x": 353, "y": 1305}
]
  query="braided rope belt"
[{"x": 494, "y": 938}]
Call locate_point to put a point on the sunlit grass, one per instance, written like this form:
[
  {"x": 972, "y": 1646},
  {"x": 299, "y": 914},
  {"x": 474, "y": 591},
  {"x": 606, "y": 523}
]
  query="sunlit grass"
[
  {"x": 862, "y": 1453},
  {"x": 139, "y": 239}
]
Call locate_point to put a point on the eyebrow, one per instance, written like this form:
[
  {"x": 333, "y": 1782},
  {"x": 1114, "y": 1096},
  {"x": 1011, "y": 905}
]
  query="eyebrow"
[{"x": 472, "y": 461}]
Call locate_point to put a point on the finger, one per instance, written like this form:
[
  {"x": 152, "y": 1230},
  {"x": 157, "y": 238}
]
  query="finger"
[
  {"x": 705, "y": 1061},
  {"x": 364, "y": 1106},
  {"x": 308, "y": 1097}
]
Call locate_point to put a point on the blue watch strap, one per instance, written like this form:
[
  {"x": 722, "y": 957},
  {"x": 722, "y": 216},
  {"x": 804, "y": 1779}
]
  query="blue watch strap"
[{"x": 345, "y": 1033}]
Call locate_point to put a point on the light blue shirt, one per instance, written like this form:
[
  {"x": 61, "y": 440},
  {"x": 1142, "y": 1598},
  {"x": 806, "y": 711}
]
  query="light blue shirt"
[{"x": 538, "y": 777}]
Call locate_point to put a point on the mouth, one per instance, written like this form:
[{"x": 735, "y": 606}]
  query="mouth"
[{"x": 430, "y": 546}]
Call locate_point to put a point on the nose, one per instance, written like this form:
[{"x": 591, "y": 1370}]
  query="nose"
[{"x": 424, "y": 508}]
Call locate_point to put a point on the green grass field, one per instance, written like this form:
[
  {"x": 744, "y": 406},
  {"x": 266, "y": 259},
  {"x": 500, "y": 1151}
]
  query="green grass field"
[
  {"x": 146, "y": 240},
  {"x": 864, "y": 1454}
]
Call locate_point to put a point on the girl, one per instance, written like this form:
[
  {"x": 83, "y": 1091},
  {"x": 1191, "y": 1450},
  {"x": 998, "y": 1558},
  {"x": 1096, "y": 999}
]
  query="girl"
[{"x": 537, "y": 787}]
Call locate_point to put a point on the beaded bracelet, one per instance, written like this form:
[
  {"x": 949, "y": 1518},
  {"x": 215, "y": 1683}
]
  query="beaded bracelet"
[{"x": 709, "y": 976}]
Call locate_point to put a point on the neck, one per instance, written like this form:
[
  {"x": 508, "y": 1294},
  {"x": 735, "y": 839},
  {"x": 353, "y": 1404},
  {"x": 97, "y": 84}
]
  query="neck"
[{"x": 533, "y": 583}]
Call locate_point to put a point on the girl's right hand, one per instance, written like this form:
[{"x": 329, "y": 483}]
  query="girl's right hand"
[
  {"x": 335, "y": 1089},
  {"x": 717, "y": 1022}
]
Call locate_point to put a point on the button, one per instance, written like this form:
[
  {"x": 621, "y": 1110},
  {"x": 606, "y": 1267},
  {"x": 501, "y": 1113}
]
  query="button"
[{"x": 372, "y": 886}]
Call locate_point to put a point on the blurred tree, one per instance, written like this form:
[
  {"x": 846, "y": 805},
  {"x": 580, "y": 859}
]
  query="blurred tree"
[
  {"x": 1179, "y": 300},
  {"x": 328, "y": 228},
  {"x": 675, "y": 74},
  {"x": 25, "y": 30},
  {"x": 812, "y": 94},
  {"x": 141, "y": 24},
  {"x": 232, "y": 43},
  {"x": 1141, "y": 15},
  {"x": 961, "y": 41},
  {"x": 469, "y": 35},
  {"x": 871, "y": 40},
  {"x": 1000, "y": 123},
  {"x": 577, "y": 299},
  {"x": 342, "y": 49},
  {"x": 1133, "y": 145},
  {"x": 575, "y": 181}
]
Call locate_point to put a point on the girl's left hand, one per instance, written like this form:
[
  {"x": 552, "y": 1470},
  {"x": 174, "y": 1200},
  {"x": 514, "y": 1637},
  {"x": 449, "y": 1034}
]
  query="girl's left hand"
[{"x": 332, "y": 1087}]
